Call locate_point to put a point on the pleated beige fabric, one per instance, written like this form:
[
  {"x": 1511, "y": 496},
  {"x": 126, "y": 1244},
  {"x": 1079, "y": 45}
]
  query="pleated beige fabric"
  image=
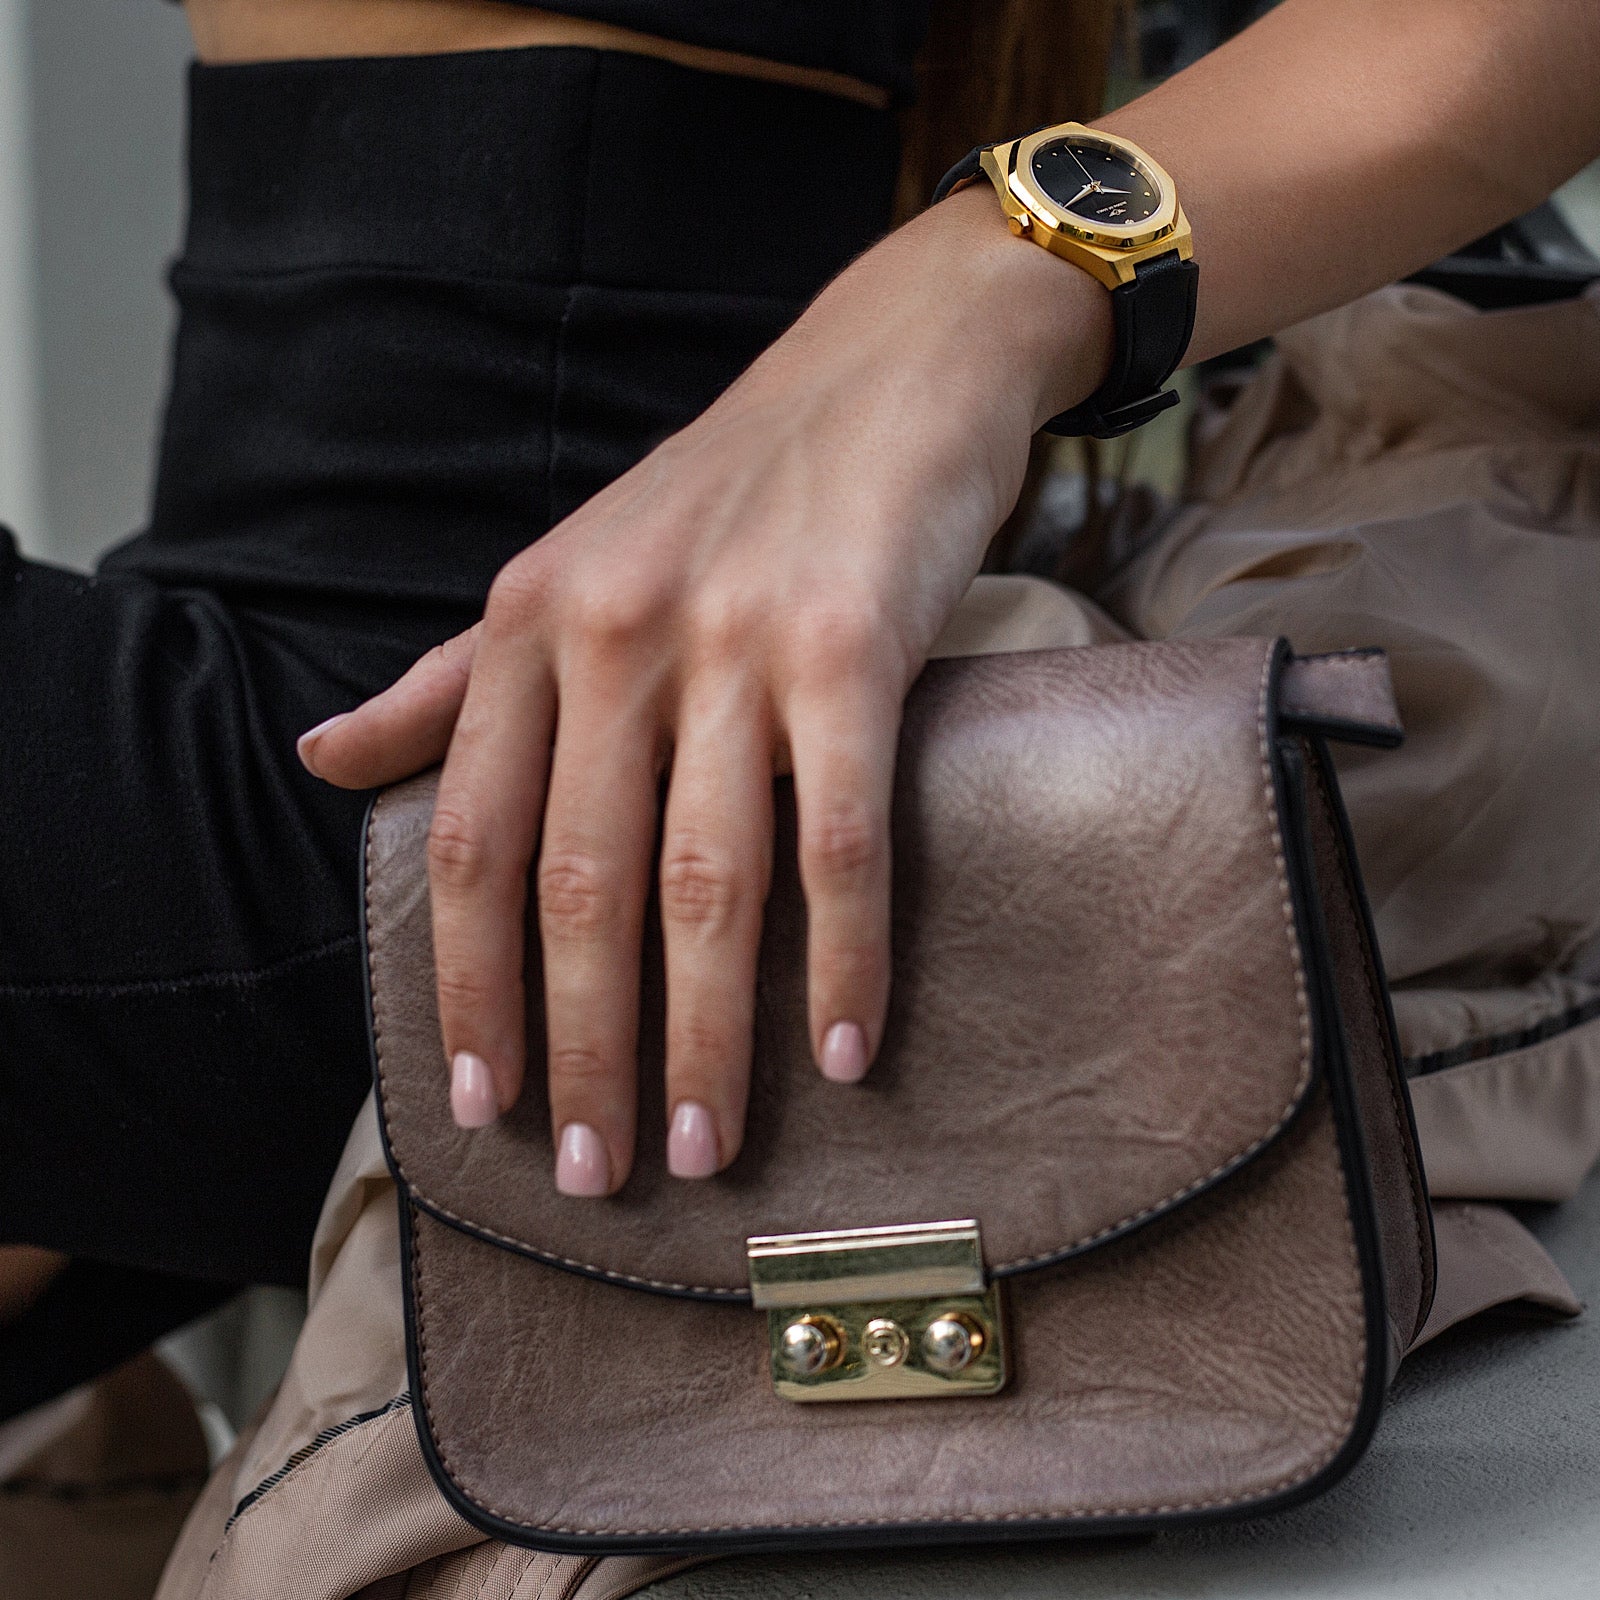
[
  {"x": 1407, "y": 473},
  {"x": 327, "y": 1495},
  {"x": 1414, "y": 474}
]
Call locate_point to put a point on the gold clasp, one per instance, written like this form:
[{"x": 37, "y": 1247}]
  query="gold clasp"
[{"x": 879, "y": 1313}]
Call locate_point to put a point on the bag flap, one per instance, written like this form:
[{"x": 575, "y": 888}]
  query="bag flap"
[{"x": 1099, "y": 1007}]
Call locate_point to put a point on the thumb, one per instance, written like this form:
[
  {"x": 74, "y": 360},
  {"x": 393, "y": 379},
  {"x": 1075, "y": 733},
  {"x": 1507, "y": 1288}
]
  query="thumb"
[{"x": 400, "y": 731}]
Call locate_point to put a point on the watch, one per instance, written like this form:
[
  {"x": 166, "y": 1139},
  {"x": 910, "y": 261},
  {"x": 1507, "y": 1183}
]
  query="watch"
[{"x": 1100, "y": 202}]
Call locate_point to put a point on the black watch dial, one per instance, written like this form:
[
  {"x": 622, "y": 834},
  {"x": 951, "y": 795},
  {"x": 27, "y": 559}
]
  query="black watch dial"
[{"x": 1099, "y": 185}]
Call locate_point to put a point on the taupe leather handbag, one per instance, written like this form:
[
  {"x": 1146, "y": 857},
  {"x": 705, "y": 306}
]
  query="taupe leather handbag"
[{"x": 1125, "y": 1228}]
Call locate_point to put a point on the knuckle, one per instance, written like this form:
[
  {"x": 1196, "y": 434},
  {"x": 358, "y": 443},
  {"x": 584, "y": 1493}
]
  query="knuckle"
[
  {"x": 580, "y": 1066},
  {"x": 577, "y": 893},
  {"x": 840, "y": 644},
  {"x": 461, "y": 990},
  {"x": 456, "y": 653},
  {"x": 842, "y": 965},
  {"x": 520, "y": 590},
  {"x": 698, "y": 887},
  {"x": 724, "y": 626},
  {"x": 459, "y": 852},
  {"x": 618, "y": 614},
  {"x": 701, "y": 1043},
  {"x": 845, "y": 841}
]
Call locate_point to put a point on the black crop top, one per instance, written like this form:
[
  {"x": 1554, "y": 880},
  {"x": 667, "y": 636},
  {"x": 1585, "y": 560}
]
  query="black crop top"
[
  {"x": 875, "y": 40},
  {"x": 871, "y": 39}
]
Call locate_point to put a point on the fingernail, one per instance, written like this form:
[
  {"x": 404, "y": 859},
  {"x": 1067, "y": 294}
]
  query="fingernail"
[
  {"x": 692, "y": 1142},
  {"x": 304, "y": 743},
  {"x": 473, "y": 1102},
  {"x": 844, "y": 1053},
  {"x": 582, "y": 1167}
]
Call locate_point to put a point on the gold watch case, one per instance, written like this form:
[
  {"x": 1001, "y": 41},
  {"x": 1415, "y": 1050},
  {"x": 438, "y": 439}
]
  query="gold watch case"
[{"x": 1110, "y": 253}]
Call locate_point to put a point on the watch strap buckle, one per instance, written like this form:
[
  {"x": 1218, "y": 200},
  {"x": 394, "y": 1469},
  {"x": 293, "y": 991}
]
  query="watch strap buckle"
[{"x": 1092, "y": 422}]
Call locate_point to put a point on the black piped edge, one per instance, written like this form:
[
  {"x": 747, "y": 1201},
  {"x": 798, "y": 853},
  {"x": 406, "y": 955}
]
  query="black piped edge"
[
  {"x": 1345, "y": 731},
  {"x": 1281, "y": 655},
  {"x": 1369, "y": 937},
  {"x": 578, "y": 1269},
  {"x": 1332, "y": 1066}
]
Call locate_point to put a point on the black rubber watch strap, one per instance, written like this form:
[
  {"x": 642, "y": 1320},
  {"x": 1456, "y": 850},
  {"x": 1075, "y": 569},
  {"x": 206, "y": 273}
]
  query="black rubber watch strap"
[
  {"x": 1152, "y": 321},
  {"x": 961, "y": 174}
]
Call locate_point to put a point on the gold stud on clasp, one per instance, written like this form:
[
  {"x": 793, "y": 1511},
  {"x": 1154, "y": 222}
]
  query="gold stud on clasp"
[
  {"x": 879, "y": 1313},
  {"x": 952, "y": 1341},
  {"x": 810, "y": 1345}
]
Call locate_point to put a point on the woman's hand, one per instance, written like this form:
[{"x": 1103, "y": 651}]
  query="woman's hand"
[
  {"x": 760, "y": 591},
  {"x": 755, "y": 596}
]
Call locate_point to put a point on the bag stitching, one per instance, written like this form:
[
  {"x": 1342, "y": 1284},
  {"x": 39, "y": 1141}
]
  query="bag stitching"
[
  {"x": 445, "y": 1213},
  {"x": 1354, "y": 1304},
  {"x": 1337, "y": 1433},
  {"x": 1361, "y": 659},
  {"x": 550, "y": 1258},
  {"x": 1303, "y": 1080}
]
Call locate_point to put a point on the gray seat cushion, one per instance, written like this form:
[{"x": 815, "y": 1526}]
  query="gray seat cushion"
[{"x": 1484, "y": 1481}]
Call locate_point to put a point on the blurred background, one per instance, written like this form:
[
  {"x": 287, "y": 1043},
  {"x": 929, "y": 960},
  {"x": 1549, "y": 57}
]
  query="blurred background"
[
  {"x": 91, "y": 211},
  {"x": 91, "y": 96}
]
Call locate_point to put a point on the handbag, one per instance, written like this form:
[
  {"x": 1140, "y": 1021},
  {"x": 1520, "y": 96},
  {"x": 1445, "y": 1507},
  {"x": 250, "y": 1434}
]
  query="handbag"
[{"x": 1125, "y": 1229}]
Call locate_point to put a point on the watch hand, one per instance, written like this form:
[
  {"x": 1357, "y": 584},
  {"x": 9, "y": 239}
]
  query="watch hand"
[
  {"x": 1088, "y": 188},
  {"x": 1081, "y": 168},
  {"x": 1104, "y": 190}
]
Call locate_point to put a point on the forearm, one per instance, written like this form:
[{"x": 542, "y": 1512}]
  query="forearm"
[
  {"x": 759, "y": 591},
  {"x": 1331, "y": 148},
  {"x": 1339, "y": 144}
]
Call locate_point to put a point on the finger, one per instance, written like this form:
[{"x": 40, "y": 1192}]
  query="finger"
[
  {"x": 592, "y": 881},
  {"x": 480, "y": 848},
  {"x": 716, "y": 860},
  {"x": 842, "y": 745},
  {"x": 400, "y": 731}
]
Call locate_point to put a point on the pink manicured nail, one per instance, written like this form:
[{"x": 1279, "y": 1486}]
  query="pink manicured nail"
[
  {"x": 692, "y": 1143},
  {"x": 582, "y": 1167},
  {"x": 844, "y": 1053},
  {"x": 473, "y": 1102},
  {"x": 304, "y": 743}
]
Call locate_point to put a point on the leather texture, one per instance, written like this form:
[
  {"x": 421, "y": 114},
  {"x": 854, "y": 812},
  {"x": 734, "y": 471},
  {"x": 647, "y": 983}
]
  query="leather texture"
[
  {"x": 1347, "y": 694},
  {"x": 1028, "y": 804},
  {"x": 1479, "y": 1486},
  {"x": 1118, "y": 1039},
  {"x": 1394, "y": 1166}
]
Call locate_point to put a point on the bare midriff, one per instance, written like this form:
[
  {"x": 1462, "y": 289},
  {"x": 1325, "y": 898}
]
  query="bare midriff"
[{"x": 281, "y": 30}]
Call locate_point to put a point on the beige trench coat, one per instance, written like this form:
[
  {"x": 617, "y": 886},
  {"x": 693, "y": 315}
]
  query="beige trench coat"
[{"x": 1406, "y": 472}]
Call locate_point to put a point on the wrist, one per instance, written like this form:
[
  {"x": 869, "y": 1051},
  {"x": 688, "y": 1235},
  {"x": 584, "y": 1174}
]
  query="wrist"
[
  {"x": 1044, "y": 322},
  {"x": 988, "y": 322}
]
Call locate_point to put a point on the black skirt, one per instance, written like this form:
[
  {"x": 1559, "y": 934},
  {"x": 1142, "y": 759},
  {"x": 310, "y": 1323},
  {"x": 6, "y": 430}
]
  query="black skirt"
[{"x": 429, "y": 306}]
